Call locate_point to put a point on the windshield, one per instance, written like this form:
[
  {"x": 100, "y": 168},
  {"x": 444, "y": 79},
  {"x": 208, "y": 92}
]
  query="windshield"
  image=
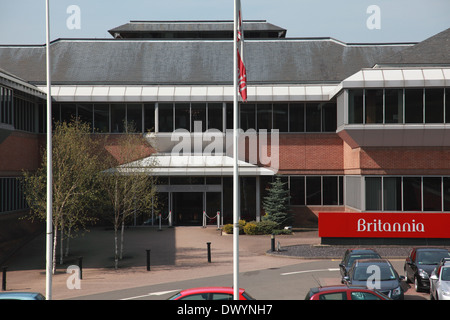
[
  {"x": 362, "y": 273},
  {"x": 431, "y": 257}
]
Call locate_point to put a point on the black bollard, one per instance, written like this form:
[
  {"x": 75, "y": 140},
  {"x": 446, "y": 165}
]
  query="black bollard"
[
  {"x": 209, "y": 251},
  {"x": 148, "y": 259},
  {"x": 80, "y": 265},
  {"x": 272, "y": 240},
  {"x": 4, "y": 278}
]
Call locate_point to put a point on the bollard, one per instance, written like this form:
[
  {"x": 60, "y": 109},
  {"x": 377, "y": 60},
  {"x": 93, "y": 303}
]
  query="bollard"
[
  {"x": 209, "y": 251},
  {"x": 148, "y": 259},
  {"x": 80, "y": 265},
  {"x": 4, "y": 278},
  {"x": 272, "y": 240}
]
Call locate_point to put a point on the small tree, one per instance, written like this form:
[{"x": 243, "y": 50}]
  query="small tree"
[
  {"x": 276, "y": 204},
  {"x": 127, "y": 190}
]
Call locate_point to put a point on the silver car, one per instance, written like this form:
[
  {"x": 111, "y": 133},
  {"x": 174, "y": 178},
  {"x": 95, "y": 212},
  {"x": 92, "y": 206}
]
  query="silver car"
[{"x": 440, "y": 281}]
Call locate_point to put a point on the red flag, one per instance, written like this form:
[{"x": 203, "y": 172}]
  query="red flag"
[{"x": 242, "y": 80}]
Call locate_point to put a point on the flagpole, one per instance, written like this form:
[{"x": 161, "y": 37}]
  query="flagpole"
[
  {"x": 235, "y": 164},
  {"x": 49, "y": 232}
]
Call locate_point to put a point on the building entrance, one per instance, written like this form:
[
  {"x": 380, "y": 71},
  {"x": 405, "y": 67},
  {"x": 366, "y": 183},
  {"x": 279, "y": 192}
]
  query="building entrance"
[{"x": 187, "y": 208}]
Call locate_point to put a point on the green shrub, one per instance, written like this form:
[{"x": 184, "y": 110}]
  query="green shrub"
[
  {"x": 267, "y": 226},
  {"x": 228, "y": 228},
  {"x": 251, "y": 228}
]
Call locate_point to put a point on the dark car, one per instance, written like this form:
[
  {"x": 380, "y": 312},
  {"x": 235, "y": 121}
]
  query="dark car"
[
  {"x": 344, "y": 292},
  {"x": 420, "y": 263},
  {"x": 354, "y": 254},
  {"x": 376, "y": 274}
]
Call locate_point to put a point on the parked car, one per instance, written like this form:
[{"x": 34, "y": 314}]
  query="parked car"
[
  {"x": 21, "y": 296},
  {"x": 420, "y": 263},
  {"x": 376, "y": 273},
  {"x": 210, "y": 293},
  {"x": 354, "y": 254},
  {"x": 344, "y": 292},
  {"x": 440, "y": 281}
]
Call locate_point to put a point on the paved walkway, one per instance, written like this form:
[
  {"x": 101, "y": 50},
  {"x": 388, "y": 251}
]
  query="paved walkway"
[{"x": 176, "y": 254}]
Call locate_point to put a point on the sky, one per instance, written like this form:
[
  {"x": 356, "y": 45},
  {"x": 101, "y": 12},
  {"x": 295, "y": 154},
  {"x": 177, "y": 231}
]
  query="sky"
[{"x": 350, "y": 21}]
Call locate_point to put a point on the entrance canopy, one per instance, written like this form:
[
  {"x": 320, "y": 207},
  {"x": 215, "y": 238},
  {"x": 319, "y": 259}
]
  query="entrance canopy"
[{"x": 192, "y": 165}]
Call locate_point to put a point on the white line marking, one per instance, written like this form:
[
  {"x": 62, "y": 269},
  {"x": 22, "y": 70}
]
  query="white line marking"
[
  {"x": 307, "y": 271},
  {"x": 151, "y": 294}
]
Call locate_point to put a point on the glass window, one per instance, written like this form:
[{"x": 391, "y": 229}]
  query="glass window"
[
  {"x": 355, "y": 106},
  {"x": 85, "y": 113},
  {"x": 134, "y": 117},
  {"x": 229, "y": 115},
  {"x": 374, "y": 105},
  {"x": 101, "y": 118},
  {"x": 296, "y": 117},
  {"x": 392, "y": 193},
  {"x": 165, "y": 117},
  {"x": 333, "y": 296},
  {"x": 412, "y": 194},
  {"x": 264, "y": 112},
  {"x": 361, "y": 295},
  {"x": 198, "y": 113},
  {"x": 215, "y": 116},
  {"x": 393, "y": 101},
  {"x": 434, "y": 105},
  {"x": 117, "y": 117},
  {"x": 313, "y": 191},
  {"x": 247, "y": 116},
  {"x": 280, "y": 116},
  {"x": 297, "y": 190},
  {"x": 149, "y": 117},
  {"x": 329, "y": 120},
  {"x": 432, "y": 200},
  {"x": 313, "y": 117},
  {"x": 447, "y": 105},
  {"x": 446, "y": 193},
  {"x": 373, "y": 193},
  {"x": 330, "y": 191},
  {"x": 413, "y": 105},
  {"x": 222, "y": 296},
  {"x": 182, "y": 116},
  {"x": 68, "y": 112}
]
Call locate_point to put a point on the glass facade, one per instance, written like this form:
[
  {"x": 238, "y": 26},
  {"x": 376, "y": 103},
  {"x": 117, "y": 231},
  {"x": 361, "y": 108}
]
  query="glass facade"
[
  {"x": 407, "y": 193},
  {"x": 286, "y": 117},
  {"x": 399, "y": 106}
]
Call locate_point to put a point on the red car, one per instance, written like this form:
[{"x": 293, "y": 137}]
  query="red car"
[
  {"x": 343, "y": 292},
  {"x": 210, "y": 293}
]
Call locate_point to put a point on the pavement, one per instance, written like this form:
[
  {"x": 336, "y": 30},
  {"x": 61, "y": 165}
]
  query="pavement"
[{"x": 176, "y": 254}]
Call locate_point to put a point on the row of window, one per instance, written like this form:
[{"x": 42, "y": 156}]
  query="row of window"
[
  {"x": 407, "y": 193},
  {"x": 6, "y": 105},
  {"x": 286, "y": 117},
  {"x": 312, "y": 190},
  {"x": 408, "y": 105},
  {"x": 11, "y": 195}
]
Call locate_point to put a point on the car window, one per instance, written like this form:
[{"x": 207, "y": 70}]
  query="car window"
[
  {"x": 445, "y": 273},
  {"x": 358, "y": 295},
  {"x": 198, "y": 296},
  {"x": 431, "y": 257},
  {"x": 362, "y": 256},
  {"x": 333, "y": 296},
  {"x": 222, "y": 296}
]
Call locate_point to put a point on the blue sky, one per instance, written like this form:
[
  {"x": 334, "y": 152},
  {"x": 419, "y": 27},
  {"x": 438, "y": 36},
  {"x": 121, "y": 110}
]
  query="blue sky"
[{"x": 23, "y": 21}]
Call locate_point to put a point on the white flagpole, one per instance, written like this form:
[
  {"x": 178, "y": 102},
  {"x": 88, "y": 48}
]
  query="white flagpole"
[
  {"x": 49, "y": 259},
  {"x": 235, "y": 164}
]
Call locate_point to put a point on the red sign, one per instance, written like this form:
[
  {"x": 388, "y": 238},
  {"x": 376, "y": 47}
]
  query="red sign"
[{"x": 384, "y": 225}]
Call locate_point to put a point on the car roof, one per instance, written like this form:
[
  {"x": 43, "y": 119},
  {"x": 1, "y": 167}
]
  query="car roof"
[
  {"x": 337, "y": 287},
  {"x": 362, "y": 250},
  {"x": 19, "y": 295},
  {"x": 371, "y": 261},
  {"x": 430, "y": 249},
  {"x": 210, "y": 289}
]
